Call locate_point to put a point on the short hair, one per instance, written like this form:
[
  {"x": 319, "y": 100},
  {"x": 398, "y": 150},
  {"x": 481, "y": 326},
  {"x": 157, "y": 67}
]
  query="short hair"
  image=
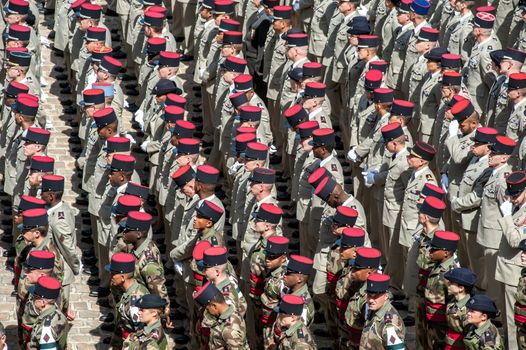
[{"x": 218, "y": 298}]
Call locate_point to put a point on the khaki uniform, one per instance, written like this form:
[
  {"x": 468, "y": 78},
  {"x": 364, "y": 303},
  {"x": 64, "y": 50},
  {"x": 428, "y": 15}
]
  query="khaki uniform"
[
  {"x": 430, "y": 99},
  {"x": 489, "y": 231},
  {"x": 402, "y": 35},
  {"x": 509, "y": 267},
  {"x": 514, "y": 129},
  {"x": 458, "y": 35},
  {"x": 478, "y": 72},
  {"x": 62, "y": 229},
  {"x": 498, "y": 108},
  {"x": 319, "y": 26}
]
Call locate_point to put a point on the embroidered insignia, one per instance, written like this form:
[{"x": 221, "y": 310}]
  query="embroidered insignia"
[
  {"x": 334, "y": 167},
  {"x": 61, "y": 238},
  {"x": 429, "y": 177},
  {"x": 61, "y": 215}
]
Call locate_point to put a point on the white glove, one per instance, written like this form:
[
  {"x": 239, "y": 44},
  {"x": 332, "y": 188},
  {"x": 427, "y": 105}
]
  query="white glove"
[
  {"x": 139, "y": 118},
  {"x": 178, "y": 266},
  {"x": 453, "y": 128},
  {"x": 368, "y": 177},
  {"x": 129, "y": 137},
  {"x": 506, "y": 208},
  {"x": 445, "y": 182},
  {"x": 272, "y": 149},
  {"x": 351, "y": 155},
  {"x": 144, "y": 145},
  {"x": 234, "y": 168}
]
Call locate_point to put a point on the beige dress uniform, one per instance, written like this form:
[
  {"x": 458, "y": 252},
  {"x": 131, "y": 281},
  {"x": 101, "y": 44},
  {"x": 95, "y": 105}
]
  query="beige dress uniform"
[
  {"x": 417, "y": 77},
  {"x": 303, "y": 204},
  {"x": 503, "y": 18},
  {"x": 323, "y": 11},
  {"x": 467, "y": 202},
  {"x": 411, "y": 56},
  {"x": 458, "y": 38},
  {"x": 515, "y": 130},
  {"x": 478, "y": 72},
  {"x": 459, "y": 151},
  {"x": 387, "y": 33},
  {"x": 498, "y": 107},
  {"x": 397, "y": 177},
  {"x": 409, "y": 226},
  {"x": 62, "y": 229},
  {"x": 394, "y": 74},
  {"x": 509, "y": 267},
  {"x": 489, "y": 231},
  {"x": 430, "y": 99},
  {"x": 184, "y": 20}
]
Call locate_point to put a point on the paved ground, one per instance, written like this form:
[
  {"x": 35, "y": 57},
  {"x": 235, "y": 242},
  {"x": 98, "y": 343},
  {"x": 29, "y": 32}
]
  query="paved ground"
[{"x": 85, "y": 330}]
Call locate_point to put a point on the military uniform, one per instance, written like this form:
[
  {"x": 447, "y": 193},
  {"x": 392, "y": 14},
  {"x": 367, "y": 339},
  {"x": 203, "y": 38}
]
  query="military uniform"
[
  {"x": 380, "y": 326},
  {"x": 296, "y": 336},
  {"x": 151, "y": 337},
  {"x": 485, "y": 337},
  {"x": 50, "y": 329},
  {"x": 226, "y": 331}
]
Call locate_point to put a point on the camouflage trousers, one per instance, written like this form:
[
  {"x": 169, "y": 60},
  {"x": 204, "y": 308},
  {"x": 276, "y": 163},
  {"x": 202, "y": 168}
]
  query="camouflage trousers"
[
  {"x": 436, "y": 335},
  {"x": 521, "y": 338}
]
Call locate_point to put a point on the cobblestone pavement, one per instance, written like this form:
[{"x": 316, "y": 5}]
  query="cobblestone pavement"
[{"x": 85, "y": 330}]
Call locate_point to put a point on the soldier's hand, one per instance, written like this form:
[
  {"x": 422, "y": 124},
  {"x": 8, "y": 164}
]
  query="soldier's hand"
[
  {"x": 506, "y": 208},
  {"x": 351, "y": 155},
  {"x": 453, "y": 128},
  {"x": 444, "y": 179},
  {"x": 71, "y": 314},
  {"x": 168, "y": 323}
]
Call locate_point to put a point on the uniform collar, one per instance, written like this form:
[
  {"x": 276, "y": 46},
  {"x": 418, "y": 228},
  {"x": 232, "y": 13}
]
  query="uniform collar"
[
  {"x": 518, "y": 104},
  {"x": 149, "y": 328},
  {"x": 348, "y": 200},
  {"x": 404, "y": 150},
  {"x": 298, "y": 62},
  {"x": 485, "y": 326},
  {"x": 297, "y": 325},
  {"x": 418, "y": 172},
  {"x": 55, "y": 207},
  {"x": 228, "y": 312},
  {"x": 326, "y": 160},
  {"x": 137, "y": 252}
]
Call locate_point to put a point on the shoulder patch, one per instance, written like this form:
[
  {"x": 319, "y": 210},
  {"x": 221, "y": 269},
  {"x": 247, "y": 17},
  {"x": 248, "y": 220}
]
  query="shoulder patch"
[
  {"x": 155, "y": 334},
  {"x": 61, "y": 215},
  {"x": 334, "y": 167},
  {"x": 61, "y": 238},
  {"x": 429, "y": 177}
]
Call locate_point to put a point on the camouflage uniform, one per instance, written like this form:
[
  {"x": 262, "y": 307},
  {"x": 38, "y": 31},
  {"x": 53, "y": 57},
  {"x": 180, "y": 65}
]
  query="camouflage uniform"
[
  {"x": 355, "y": 317},
  {"x": 520, "y": 310},
  {"x": 50, "y": 327},
  {"x": 149, "y": 269},
  {"x": 297, "y": 337},
  {"x": 233, "y": 295},
  {"x": 456, "y": 313},
  {"x": 151, "y": 337},
  {"x": 270, "y": 299},
  {"x": 257, "y": 269},
  {"x": 127, "y": 314},
  {"x": 308, "y": 307},
  {"x": 435, "y": 302},
  {"x": 485, "y": 337},
  {"x": 226, "y": 331},
  {"x": 379, "y": 327}
]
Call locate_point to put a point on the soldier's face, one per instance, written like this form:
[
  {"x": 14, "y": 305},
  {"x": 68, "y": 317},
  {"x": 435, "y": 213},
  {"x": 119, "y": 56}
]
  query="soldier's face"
[
  {"x": 519, "y": 199},
  {"x": 251, "y": 165},
  {"x": 360, "y": 275},
  {"x": 290, "y": 279},
  {"x": 13, "y": 18},
  {"x": 377, "y": 300},
  {"x": 414, "y": 162},
  {"x": 33, "y": 275},
  {"x": 211, "y": 273},
  {"x": 272, "y": 262},
  {"x": 479, "y": 149},
  {"x": 201, "y": 223},
  {"x": 402, "y": 18},
  {"x": 523, "y": 258},
  {"x": 30, "y": 149},
  {"x": 453, "y": 288},
  {"x": 91, "y": 46},
  {"x": 13, "y": 73},
  {"x": 286, "y": 320},
  {"x": 513, "y": 95},
  {"x": 35, "y": 179},
  {"x": 347, "y": 253},
  {"x": 39, "y": 303},
  {"x": 476, "y": 317},
  {"x": 84, "y": 24},
  {"x": 438, "y": 255},
  {"x": 14, "y": 43},
  {"x": 495, "y": 160},
  {"x": 115, "y": 178},
  {"x": 353, "y": 40},
  {"x": 228, "y": 50},
  {"x": 189, "y": 189},
  {"x": 363, "y": 53}
]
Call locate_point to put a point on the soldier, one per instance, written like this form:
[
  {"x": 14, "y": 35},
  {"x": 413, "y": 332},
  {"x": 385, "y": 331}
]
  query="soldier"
[
  {"x": 458, "y": 38},
  {"x": 481, "y": 332},
  {"x": 478, "y": 70},
  {"x": 520, "y": 306},
  {"x": 227, "y": 327},
  {"x": 51, "y": 326},
  {"x": 401, "y": 41},
  {"x": 419, "y": 158},
  {"x": 39, "y": 263},
  {"x": 151, "y": 308},
  {"x": 460, "y": 282},
  {"x": 468, "y": 199},
  {"x": 253, "y": 268},
  {"x": 127, "y": 323},
  {"x": 289, "y": 330},
  {"x": 461, "y": 131},
  {"x": 509, "y": 265},
  {"x": 207, "y": 214},
  {"x": 275, "y": 264},
  {"x": 383, "y": 326},
  {"x": 397, "y": 176},
  {"x": 516, "y": 97},
  {"x": 149, "y": 269},
  {"x": 442, "y": 252},
  {"x": 295, "y": 282},
  {"x": 489, "y": 233},
  {"x": 429, "y": 217},
  {"x": 62, "y": 230}
]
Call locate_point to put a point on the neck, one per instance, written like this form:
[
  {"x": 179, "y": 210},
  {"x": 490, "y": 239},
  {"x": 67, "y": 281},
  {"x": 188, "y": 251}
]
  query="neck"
[
  {"x": 138, "y": 243},
  {"x": 297, "y": 287},
  {"x": 26, "y": 125},
  {"x": 268, "y": 233},
  {"x": 262, "y": 195},
  {"x": 420, "y": 167},
  {"x": 460, "y": 296},
  {"x": 55, "y": 202},
  {"x": 127, "y": 283},
  {"x": 343, "y": 197},
  {"x": 299, "y": 58},
  {"x": 38, "y": 241},
  {"x": 221, "y": 308},
  {"x": 429, "y": 227},
  {"x": 205, "y": 194},
  {"x": 481, "y": 38},
  {"x": 220, "y": 278}
]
